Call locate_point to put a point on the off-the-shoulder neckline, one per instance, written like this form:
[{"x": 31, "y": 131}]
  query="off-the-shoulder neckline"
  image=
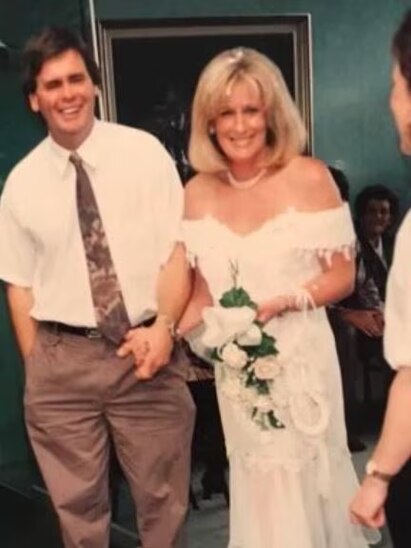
[{"x": 278, "y": 218}]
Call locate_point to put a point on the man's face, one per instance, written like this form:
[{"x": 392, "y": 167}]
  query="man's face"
[
  {"x": 400, "y": 105},
  {"x": 376, "y": 218},
  {"x": 65, "y": 97}
]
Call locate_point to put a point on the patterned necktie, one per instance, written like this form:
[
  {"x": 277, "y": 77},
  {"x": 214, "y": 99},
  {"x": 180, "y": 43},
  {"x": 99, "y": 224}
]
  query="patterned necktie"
[{"x": 111, "y": 313}]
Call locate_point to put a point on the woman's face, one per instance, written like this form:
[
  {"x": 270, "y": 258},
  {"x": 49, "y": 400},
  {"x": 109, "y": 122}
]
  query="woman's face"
[
  {"x": 400, "y": 105},
  {"x": 241, "y": 125}
]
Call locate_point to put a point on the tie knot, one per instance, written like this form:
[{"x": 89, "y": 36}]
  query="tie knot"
[{"x": 75, "y": 159}]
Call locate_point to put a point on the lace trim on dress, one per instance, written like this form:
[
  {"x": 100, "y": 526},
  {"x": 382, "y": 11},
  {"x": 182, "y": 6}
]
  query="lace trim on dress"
[
  {"x": 323, "y": 232},
  {"x": 176, "y": 236},
  {"x": 191, "y": 258},
  {"x": 183, "y": 238},
  {"x": 347, "y": 251},
  {"x": 329, "y": 232}
]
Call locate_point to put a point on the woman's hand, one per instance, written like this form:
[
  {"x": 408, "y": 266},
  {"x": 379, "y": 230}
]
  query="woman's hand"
[{"x": 272, "y": 308}]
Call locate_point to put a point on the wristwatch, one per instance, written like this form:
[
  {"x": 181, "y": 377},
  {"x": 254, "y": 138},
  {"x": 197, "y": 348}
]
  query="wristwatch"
[
  {"x": 174, "y": 331},
  {"x": 171, "y": 326},
  {"x": 371, "y": 469}
]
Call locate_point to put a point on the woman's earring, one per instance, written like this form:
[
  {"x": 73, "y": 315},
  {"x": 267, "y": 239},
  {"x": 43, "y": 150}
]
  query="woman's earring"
[{"x": 211, "y": 130}]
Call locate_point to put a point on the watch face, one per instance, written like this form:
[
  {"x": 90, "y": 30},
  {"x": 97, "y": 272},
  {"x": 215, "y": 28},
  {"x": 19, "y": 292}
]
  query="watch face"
[
  {"x": 371, "y": 470},
  {"x": 370, "y": 467}
]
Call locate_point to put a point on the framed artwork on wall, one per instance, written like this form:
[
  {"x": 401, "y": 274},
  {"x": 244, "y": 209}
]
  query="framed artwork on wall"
[{"x": 150, "y": 68}]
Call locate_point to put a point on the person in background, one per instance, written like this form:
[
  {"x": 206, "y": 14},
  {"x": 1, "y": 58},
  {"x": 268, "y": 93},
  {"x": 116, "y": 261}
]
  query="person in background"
[
  {"x": 388, "y": 473},
  {"x": 376, "y": 209},
  {"x": 342, "y": 183},
  {"x": 95, "y": 283},
  {"x": 361, "y": 316},
  {"x": 346, "y": 346}
]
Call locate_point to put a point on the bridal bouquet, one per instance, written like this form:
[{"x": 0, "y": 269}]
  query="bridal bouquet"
[{"x": 237, "y": 340}]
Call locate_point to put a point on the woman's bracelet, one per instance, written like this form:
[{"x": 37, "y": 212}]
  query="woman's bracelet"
[
  {"x": 287, "y": 303},
  {"x": 299, "y": 300}
]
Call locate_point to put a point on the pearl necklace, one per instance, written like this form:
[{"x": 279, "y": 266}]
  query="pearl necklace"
[{"x": 247, "y": 183}]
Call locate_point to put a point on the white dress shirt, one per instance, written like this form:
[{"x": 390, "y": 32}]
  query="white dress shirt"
[
  {"x": 379, "y": 250},
  {"x": 140, "y": 199},
  {"x": 397, "y": 334}
]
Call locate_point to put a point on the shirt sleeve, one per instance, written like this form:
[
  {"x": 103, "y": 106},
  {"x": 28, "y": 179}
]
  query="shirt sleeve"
[
  {"x": 168, "y": 207},
  {"x": 397, "y": 335},
  {"x": 17, "y": 252}
]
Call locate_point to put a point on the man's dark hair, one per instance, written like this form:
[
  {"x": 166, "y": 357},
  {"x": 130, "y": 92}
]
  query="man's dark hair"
[
  {"x": 49, "y": 43},
  {"x": 401, "y": 47},
  {"x": 341, "y": 181},
  {"x": 376, "y": 192}
]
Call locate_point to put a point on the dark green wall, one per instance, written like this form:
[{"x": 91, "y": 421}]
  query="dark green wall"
[
  {"x": 351, "y": 63},
  {"x": 352, "y": 126},
  {"x": 18, "y": 133},
  {"x": 18, "y": 20}
]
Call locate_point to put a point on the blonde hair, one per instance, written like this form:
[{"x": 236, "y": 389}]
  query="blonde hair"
[{"x": 286, "y": 133}]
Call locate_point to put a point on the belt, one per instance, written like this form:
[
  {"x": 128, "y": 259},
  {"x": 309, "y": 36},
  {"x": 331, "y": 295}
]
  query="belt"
[{"x": 88, "y": 332}]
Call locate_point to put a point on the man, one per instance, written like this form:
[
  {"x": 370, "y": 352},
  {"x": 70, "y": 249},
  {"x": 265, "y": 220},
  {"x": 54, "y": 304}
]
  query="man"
[
  {"x": 360, "y": 317},
  {"x": 376, "y": 209},
  {"x": 88, "y": 229}
]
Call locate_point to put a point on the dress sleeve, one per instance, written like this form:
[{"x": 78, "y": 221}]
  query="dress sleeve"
[
  {"x": 328, "y": 232},
  {"x": 397, "y": 334},
  {"x": 17, "y": 248}
]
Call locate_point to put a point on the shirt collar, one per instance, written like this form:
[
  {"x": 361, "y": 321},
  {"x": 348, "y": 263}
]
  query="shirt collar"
[
  {"x": 378, "y": 246},
  {"x": 88, "y": 151},
  {"x": 379, "y": 251}
]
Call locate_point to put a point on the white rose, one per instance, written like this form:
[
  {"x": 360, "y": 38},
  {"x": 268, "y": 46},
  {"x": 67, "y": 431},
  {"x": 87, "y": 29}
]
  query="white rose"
[
  {"x": 267, "y": 368},
  {"x": 234, "y": 356},
  {"x": 224, "y": 324},
  {"x": 252, "y": 337}
]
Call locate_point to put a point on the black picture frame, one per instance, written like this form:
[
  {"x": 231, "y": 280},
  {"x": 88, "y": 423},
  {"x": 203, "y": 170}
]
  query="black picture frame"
[{"x": 150, "y": 68}]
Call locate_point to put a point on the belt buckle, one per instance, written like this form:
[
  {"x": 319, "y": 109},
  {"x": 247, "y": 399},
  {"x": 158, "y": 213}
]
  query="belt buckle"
[{"x": 93, "y": 333}]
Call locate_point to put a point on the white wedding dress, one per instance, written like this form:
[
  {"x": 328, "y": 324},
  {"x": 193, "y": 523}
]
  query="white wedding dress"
[{"x": 290, "y": 487}]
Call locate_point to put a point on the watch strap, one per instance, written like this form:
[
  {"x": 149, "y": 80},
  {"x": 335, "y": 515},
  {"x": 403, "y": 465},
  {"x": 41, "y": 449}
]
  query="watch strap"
[{"x": 372, "y": 470}]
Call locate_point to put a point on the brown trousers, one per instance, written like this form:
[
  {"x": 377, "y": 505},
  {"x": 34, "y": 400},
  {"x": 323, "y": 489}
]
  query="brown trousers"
[{"x": 78, "y": 395}]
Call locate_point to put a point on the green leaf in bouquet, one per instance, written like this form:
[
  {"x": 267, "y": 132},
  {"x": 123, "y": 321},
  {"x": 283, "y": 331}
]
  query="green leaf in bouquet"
[
  {"x": 249, "y": 379},
  {"x": 262, "y": 387},
  {"x": 275, "y": 423},
  {"x": 213, "y": 354},
  {"x": 266, "y": 347},
  {"x": 236, "y": 297}
]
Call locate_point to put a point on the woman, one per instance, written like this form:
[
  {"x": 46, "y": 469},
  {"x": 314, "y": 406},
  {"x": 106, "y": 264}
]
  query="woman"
[
  {"x": 261, "y": 216},
  {"x": 393, "y": 450}
]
